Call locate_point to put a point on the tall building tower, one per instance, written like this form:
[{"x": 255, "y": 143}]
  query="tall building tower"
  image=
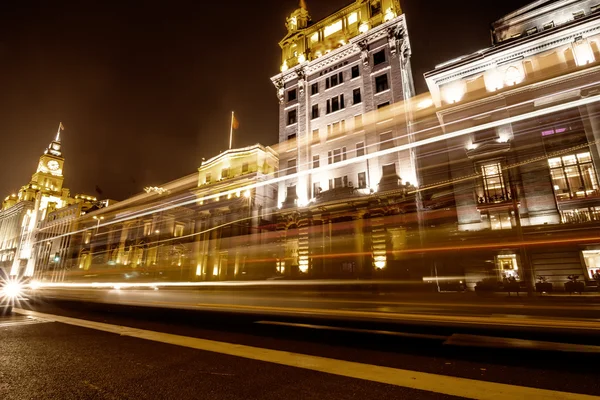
[
  {"x": 338, "y": 76},
  {"x": 21, "y": 212}
]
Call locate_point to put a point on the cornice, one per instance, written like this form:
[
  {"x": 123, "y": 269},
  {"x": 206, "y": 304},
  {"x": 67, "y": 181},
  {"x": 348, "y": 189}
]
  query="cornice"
[
  {"x": 352, "y": 48},
  {"x": 523, "y": 50}
]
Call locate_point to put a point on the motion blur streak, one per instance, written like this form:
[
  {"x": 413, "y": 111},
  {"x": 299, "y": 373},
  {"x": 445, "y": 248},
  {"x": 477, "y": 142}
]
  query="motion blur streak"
[{"x": 462, "y": 132}]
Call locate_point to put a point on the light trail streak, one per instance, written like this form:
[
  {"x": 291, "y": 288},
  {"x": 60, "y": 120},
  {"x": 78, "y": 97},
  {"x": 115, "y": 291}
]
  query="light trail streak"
[{"x": 380, "y": 153}]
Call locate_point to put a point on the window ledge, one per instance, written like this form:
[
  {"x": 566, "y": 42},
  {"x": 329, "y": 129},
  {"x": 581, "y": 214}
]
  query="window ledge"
[{"x": 383, "y": 91}]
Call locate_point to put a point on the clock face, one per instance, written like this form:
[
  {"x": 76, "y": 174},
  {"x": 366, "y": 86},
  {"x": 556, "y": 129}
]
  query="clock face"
[{"x": 53, "y": 165}]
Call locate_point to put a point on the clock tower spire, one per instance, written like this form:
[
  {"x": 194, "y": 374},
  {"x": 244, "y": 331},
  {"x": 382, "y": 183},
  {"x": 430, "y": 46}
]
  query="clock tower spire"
[{"x": 49, "y": 174}]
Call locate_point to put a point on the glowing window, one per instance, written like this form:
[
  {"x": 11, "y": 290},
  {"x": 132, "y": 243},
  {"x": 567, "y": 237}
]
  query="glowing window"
[
  {"x": 453, "y": 93},
  {"x": 352, "y": 18},
  {"x": 573, "y": 176},
  {"x": 494, "y": 189},
  {"x": 513, "y": 76},
  {"x": 333, "y": 28},
  {"x": 583, "y": 53},
  {"x": 178, "y": 231}
]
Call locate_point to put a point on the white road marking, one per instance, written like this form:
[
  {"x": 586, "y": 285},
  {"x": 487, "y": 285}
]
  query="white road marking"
[{"x": 443, "y": 384}]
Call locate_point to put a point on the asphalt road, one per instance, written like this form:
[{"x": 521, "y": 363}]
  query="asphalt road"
[
  {"x": 249, "y": 356},
  {"x": 561, "y": 314}
]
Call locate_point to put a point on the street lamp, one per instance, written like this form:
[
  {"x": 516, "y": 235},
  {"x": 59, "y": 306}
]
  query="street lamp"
[{"x": 98, "y": 224}]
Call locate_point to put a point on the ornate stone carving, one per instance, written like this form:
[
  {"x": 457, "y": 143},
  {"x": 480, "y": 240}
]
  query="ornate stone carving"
[
  {"x": 363, "y": 46},
  {"x": 280, "y": 86},
  {"x": 395, "y": 35},
  {"x": 301, "y": 80}
]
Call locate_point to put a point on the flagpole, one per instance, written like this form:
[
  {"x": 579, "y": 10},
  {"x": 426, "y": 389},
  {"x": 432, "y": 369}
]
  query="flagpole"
[{"x": 231, "y": 132}]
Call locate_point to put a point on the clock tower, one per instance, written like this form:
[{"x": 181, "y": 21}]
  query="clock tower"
[{"x": 49, "y": 174}]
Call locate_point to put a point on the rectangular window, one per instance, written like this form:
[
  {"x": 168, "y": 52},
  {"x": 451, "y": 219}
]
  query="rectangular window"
[
  {"x": 292, "y": 95},
  {"x": 355, "y": 72},
  {"x": 329, "y": 157},
  {"x": 316, "y": 189},
  {"x": 337, "y": 155},
  {"x": 345, "y": 180},
  {"x": 386, "y": 141},
  {"x": 314, "y": 88},
  {"x": 335, "y": 104},
  {"x": 292, "y": 117},
  {"x": 315, "y": 136},
  {"x": 291, "y": 167},
  {"x": 379, "y": 57},
  {"x": 573, "y": 176},
  {"x": 292, "y": 136},
  {"x": 595, "y": 8},
  {"x": 362, "y": 180},
  {"x": 381, "y": 83},
  {"x": 360, "y": 149},
  {"x": 224, "y": 173},
  {"x": 208, "y": 177},
  {"x": 494, "y": 189},
  {"x": 244, "y": 168},
  {"x": 383, "y": 105},
  {"x": 333, "y": 81},
  {"x": 178, "y": 232},
  {"x": 344, "y": 152},
  {"x": 549, "y": 25},
  {"x": 356, "y": 98},
  {"x": 147, "y": 228},
  {"x": 316, "y": 161},
  {"x": 375, "y": 8},
  {"x": 532, "y": 31},
  {"x": 315, "y": 111},
  {"x": 330, "y": 184},
  {"x": 291, "y": 192},
  {"x": 499, "y": 220},
  {"x": 337, "y": 182},
  {"x": 578, "y": 14}
]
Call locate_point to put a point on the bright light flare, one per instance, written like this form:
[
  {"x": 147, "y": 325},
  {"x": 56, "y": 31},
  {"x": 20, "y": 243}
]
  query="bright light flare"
[{"x": 12, "y": 289}]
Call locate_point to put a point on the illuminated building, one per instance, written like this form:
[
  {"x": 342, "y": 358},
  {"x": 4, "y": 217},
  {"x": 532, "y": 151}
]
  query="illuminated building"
[
  {"x": 539, "y": 177},
  {"x": 52, "y": 248},
  {"x": 339, "y": 79},
  {"x": 233, "y": 224},
  {"x": 181, "y": 230},
  {"x": 340, "y": 70},
  {"x": 23, "y": 211}
]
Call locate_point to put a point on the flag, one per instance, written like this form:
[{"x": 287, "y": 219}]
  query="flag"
[
  {"x": 61, "y": 127},
  {"x": 235, "y": 124},
  {"x": 98, "y": 190}
]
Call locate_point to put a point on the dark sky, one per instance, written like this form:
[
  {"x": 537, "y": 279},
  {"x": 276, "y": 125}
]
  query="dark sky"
[{"x": 145, "y": 88}]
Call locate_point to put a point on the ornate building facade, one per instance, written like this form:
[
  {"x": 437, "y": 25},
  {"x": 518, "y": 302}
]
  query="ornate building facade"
[
  {"x": 23, "y": 212},
  {"x": 338, "y": 76},
  {"x": 341, "y": 81},
  {"x": 211, "y": 225},
  {"x": 534, "y": 178}
]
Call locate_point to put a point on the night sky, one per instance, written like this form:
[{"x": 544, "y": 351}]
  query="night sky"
[{"x": 145, "y": 88}]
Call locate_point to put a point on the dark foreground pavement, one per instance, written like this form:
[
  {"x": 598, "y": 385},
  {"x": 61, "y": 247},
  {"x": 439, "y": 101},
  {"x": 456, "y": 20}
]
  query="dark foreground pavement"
[{"x": 40, "y": 359}]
